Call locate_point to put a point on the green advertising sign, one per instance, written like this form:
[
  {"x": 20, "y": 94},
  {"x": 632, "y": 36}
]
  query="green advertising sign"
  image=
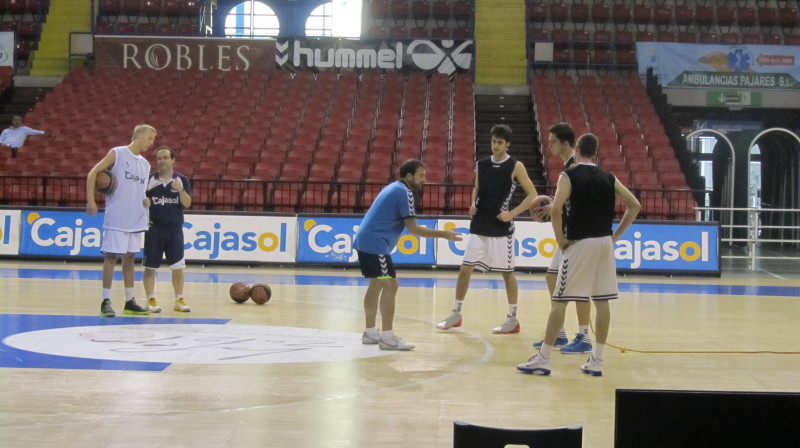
[{"x": 733, "y": 98}]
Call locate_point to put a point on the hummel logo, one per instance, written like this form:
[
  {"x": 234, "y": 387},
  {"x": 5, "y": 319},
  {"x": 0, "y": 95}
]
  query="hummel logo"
[{"x": 281, "y": 55}]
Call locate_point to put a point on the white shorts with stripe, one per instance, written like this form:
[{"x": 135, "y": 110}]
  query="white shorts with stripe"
[
  {"x": 490, "y": 253},
  {"x": 588, "y": 270},
  {"x": 119, "y": 242},
  {"x": 555, "y": 263}
]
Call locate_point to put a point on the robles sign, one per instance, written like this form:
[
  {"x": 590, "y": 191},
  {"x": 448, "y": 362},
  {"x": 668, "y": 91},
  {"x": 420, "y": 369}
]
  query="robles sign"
[
  {"x": 231, "y": 55},
  {"x": 184, "y": 54}
]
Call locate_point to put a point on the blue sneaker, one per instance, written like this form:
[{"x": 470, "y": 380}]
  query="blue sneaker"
[
  {"x": 578, "y": 346},
  {"x": 560, "y": 342}
]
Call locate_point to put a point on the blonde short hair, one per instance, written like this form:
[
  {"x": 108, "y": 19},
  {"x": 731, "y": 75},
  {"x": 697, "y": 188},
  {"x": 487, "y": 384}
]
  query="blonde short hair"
[{"x": 141, "y": 129}]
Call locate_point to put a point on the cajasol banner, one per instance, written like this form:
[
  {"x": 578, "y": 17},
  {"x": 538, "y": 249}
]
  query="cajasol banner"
[
  {"x": 714, "y": 66},
  {"x": 534, "y": 244},
  {"x": 267, "y": 239},
  {"x": 9, "y": 231},
  {"x": 427, "y": 55},
  {"x": 61, "y": 233},
  {"x": 330, "y": 240},
  {"x": 206, "y": 237},
  {"x": 658, "y": 247}
]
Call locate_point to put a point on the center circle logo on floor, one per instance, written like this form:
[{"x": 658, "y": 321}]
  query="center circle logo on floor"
[{"x": 197, "y": 343}]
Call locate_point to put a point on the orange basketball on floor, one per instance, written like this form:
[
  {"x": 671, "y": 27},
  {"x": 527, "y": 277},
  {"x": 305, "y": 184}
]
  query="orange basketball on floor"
[
  {"x": 536, "y": 212},
  {"x": 240, "y": 292},
  {"x": 105, "y": 182},
  {"x": 260, "y": 293}
]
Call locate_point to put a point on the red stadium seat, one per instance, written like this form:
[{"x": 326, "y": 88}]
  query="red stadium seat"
[
  {"x": 642, "y": 15},
  {"x": 558, "y": 14},
  {"x": 420, "y": 11},
  {"x": 579, "y": 14},
  {"x": 600, "y": 14},
  {"x": 684, "y": 16},
  {"x": 726, "y": 17},
  {"x": 399, "y": 12},
  {"x": 621, "y": 15}
]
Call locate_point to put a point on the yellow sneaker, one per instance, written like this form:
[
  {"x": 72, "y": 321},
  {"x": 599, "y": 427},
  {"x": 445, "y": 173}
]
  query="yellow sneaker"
[
  {"x": 181, "y": 306},
  {"x": 153, "y": 305}
]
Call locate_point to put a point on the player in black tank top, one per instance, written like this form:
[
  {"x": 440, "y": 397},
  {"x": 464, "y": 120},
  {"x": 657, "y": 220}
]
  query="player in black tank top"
[{"x": 491, "y": 241}]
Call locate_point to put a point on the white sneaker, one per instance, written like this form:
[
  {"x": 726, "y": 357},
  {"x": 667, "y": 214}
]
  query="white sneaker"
[
  {"x": 181, "y": 306},
  {"x": 367, "y": 339},
  {"x": 395, "y": 343},
  {"x": 452, "y": 320},
  {"x": 153, "y": 306},
  {"x": 511, "y": 325},
  {"x": 537, "y": 365},
  {"x": 593, "y": 366}
]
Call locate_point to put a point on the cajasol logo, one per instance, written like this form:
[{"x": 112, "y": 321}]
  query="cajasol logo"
[
  {"x": 669, "y": 247},
  {"x": 61, "y": 233},
  {"x": 330, "y": 240},
  {"x": 534, "y": 245},
  {"x": 241, "y": 238}
]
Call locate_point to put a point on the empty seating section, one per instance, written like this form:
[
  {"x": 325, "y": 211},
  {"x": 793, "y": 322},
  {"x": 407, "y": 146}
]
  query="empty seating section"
[
  {"x": 258, "y": 141},
  {"x": 601, "y": 33},
  {"x": 419, "y": 19},
  {"x": 633, "y": 143},
  {"x": 24, "y": 18},
  {"x": 149, "y": 17}
]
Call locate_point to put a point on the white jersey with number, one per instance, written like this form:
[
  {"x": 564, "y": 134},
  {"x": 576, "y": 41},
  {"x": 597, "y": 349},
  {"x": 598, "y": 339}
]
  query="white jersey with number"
[{"x": 125, "y": 210}]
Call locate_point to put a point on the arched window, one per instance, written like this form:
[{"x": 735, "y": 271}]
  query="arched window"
[
  {"x": 320, "y": 21},
  {"x": 339, "y": 18},
  {"x": 251, "y": 19}
]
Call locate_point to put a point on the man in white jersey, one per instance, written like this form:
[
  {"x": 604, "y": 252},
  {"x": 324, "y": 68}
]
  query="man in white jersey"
[
  {"x": 14, "y": 136},
  {"x": 126, "y": 213}
]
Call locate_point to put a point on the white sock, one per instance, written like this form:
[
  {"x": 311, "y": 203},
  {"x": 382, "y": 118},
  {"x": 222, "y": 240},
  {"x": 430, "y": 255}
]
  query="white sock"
[
  {"x": 584, "y": 330},
  {"x": 459, "y": 303},
  {"x": 598, "y": 351},
  {"x": 178, "y": 296},
  {"x": 106, "y": 293},
  {"x": 128, "y": 293},
  {"x": 151, "y": 296},
  {"x": 562, "y": 333},
  {"x": 546, "y": 350},
  {"x": 512, "y": 309},
  {"x": 373, "y": 331},
  {"x": 387, "y": 335}
]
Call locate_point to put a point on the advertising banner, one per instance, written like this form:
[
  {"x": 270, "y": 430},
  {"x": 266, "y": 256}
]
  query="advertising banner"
[
  {"x": 428, "y": 55},
  {"x": 265, "y": 239},
  {"x": 330, "y": 240},
  {"x": 721, "y": 66},
  {"x": 56, "y": 233},
  {"x": 7, "y": 48},
  {"x": 184, "y": 53},
  {"x": 663, "y": 248},
  {"x": 534, "y": 244},
  {"x": 9, "y": 231}
]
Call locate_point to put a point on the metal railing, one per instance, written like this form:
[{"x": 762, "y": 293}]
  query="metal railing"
[{"x": 758, "y": 230}]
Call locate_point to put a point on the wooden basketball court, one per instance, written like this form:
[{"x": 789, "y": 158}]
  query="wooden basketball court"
[{"x": 293, "y": 372}]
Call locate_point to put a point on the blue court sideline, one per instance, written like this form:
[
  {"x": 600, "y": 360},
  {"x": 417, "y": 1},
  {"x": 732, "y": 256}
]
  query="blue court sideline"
[{"x": 408, "y": 281}]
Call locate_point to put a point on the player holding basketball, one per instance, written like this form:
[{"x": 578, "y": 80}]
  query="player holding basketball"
[
  {"x": 562, "y": 140},
  {"x": 588, "y": 266},
  {"x": 169, "y": 193},
  {"x": 393, "y": 209},
  {"x": 126, "y": 214},
  {"x": 490, "y": 246}
]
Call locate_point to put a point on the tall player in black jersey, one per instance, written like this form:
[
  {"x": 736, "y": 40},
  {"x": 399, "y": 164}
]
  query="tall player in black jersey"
[
  {"x": 588, "y": 266},
  {"x": 491, "y": 241},
  {"x": 562, "y": 140},
  {"x": 169, "y": 193}
]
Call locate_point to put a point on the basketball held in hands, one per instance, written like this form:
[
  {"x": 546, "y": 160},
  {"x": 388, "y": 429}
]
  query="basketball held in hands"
[
  {"x": 539, "y": 209},
  {"x": 105, "y": 182}
]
